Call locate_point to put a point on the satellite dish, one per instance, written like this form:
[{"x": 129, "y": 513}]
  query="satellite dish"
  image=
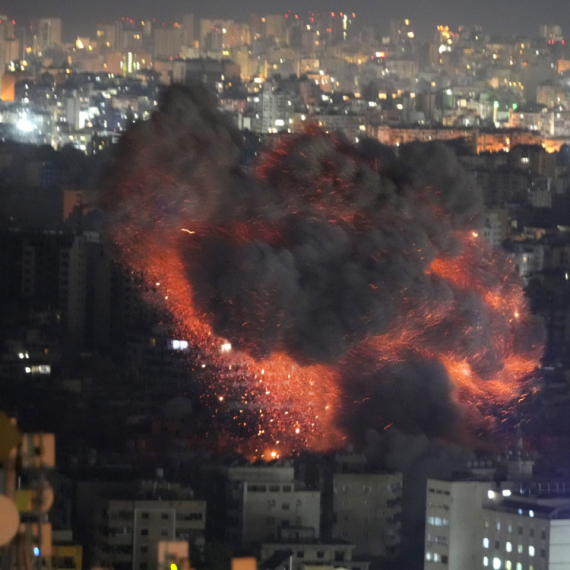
[{"x": 9, "y": 520}]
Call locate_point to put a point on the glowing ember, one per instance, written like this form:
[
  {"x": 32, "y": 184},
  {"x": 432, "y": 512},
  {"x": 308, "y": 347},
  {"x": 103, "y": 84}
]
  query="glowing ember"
[{"x": 334, "y": 290}]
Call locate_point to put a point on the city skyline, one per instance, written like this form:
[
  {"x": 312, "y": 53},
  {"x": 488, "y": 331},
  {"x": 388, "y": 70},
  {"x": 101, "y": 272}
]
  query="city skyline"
[{"x": 502, "y": 17}]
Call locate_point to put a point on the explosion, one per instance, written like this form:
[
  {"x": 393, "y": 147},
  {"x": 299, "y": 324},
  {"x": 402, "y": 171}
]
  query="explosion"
[{"x": 329, "y": 289}]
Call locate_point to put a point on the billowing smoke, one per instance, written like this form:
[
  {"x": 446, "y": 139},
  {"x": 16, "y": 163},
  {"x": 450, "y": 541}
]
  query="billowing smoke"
[{"x": 354, "y": 257}]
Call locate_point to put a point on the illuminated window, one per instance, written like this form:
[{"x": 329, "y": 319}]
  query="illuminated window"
[
  {"x": 509, "y": 547},
  {"x": 485, "y": 543},
  {"x": 508, "y": 565},
  {"x": 496, "y": 563},
  {"x": 485, "y": 561},
  {"x": 520, "y": 548},
  {"x": 531, "y": 550}
]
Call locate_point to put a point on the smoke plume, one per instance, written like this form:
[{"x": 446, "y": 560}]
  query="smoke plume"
[{"x": 354, "y": 262}]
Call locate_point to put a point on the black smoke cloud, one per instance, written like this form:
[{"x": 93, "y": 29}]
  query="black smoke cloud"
[{"x": 320, "y": 246}]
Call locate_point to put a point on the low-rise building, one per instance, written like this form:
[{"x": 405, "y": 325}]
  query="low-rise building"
[{"x": 128, "y": 528}]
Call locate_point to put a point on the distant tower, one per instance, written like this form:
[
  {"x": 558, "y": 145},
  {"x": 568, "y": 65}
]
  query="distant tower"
[
  {"x": 46, "y": 33},
  {"x": 552, "y": 33}
]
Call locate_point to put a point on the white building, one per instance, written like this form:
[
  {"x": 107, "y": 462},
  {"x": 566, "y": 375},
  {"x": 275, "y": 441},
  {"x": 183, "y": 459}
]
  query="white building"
[
  {"x": 494, "y": 229},
  {"x": 453, "y": 514},
  {"x": 529, "y": 260},
  {"x": 472, "y": 525},
  {"x": 276, "y": 108},
  {"x": 129, "y": 529},
  {"x": 266, "y": 498},
  {"x": 308, "y": 553}
]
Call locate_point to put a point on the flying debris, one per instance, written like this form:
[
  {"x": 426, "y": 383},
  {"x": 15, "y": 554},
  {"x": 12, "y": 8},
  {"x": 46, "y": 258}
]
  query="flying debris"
[{"x": 335, "y": 287}]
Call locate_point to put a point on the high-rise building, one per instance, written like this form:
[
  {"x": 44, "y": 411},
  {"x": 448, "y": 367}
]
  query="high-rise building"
[
  {"x": 275, "y": 27},
  {"x": 263, "y": 500},
  {"x": 189, "y": 28},
  {"x": 454, "y": 518},
  {"x": 334, "y": 27},
  {"x": 474, "y": 525},
  {"x": 552, "y": 33},
  {"x": 367, "y": 512},
  {"x": 9, "y": 52},
  {"x": 168, "y": 41},
  {"x": 108, "y": 35},
  {"x": 401, "y": 31},
  {"x": 46, "y": 33}
]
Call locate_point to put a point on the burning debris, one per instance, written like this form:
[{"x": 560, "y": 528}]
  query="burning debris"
[{"x": 349, "y": 283}]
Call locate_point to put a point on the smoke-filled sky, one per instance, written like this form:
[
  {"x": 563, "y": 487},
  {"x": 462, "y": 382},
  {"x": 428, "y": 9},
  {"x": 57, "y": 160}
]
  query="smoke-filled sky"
[
  {"x": 497, "y": 16},
  {"x": 351, "y": 282}
]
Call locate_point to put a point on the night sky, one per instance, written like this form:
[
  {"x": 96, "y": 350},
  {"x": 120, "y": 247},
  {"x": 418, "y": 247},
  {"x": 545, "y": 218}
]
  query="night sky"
[{"x": 498, "y": 16}]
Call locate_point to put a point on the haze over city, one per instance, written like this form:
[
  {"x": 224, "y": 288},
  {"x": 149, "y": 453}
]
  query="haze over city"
[{"x": 500, "y": 17}]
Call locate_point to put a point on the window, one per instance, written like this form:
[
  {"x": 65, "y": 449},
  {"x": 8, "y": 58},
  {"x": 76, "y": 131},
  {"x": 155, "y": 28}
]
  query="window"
[
  {"x": 428, "y": 556},
  {"x": 144, "y": 549},
  {"x": 144, "y": 515},
  {"x": 509, "y": 547},
  {"x": 485, "y": 543},
  {"x": 531, "y": 550},
  {"x": 485, "y": 561},
  {"x": 510, "y": 528},
  {"x": 497, "y": 544},
  {"x": 444, "y": 558},
  {"x": 520, "y": 530},
  {"x": 285, "y": 506},
  {"x": 438, "y": 521},
  {"x": 270, "y": 503},
  {"x": 270, "y": 520},
  {"x": 274, "y": 488},
  {"x": 320, "y": 554},
  {"x": 143, "y": 566},
  {"x": 498, "y": 525},
  {"x": 520, "y": 548},
  {"x": 300, "y": 554},
  {"x": 164, "y": 516},
  {"x": 508, "y": 565},
  {"x": 286, "y": 488},
  {"x": 543, "y": 534},
  {"x": 144, "y": 532},
  {"x": 519, "y": 566},
  {"x": 164, "y": 532},
  {"x": 496, "y": 563},
  {"x": 531, "y": 532},
  {"x": 542, "y": 553},
  {"x": 436, "y": 557},
  {"x": 339, "y": 555}
]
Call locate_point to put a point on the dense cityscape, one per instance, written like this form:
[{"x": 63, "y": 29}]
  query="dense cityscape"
[{"x": 288, "y": 293}]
